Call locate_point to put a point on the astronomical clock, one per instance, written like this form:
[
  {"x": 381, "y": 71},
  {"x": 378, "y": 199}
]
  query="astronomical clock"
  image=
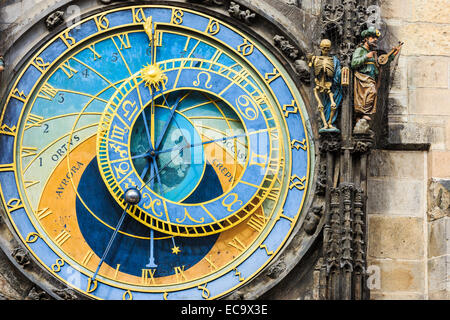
[{"x": 154, "y": 152}]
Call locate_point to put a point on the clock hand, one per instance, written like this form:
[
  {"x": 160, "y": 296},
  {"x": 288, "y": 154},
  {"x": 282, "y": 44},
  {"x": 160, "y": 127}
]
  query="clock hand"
[
  {"x": 119, "y": 224},
  {"x": 147, "y": 131},
  {"x": 166, "y": 126},
  {"x": 201, "y": 144},
  {"x": 113, "y": 237},
  {"x": 164, "y": 167}
]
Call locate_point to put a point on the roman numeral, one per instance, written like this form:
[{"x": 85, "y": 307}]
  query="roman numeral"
[
  {"x": 124, "y": 41},
  {"x": 211, "y": 264},
  {"x": 87, "y": 257},
  {"x": 257, "y": 222},
  {"x": 179, "y": 271},
  {"x": 30, "y": 183},
  {"x": 242, "y": 75},
  {"x": 62, "y": 238},
  {"x": 28, "y": 151},
  {"x": 96, "y": 55},
  {"x": 68, "y": 70},
  {"x": 33, "y": 121},
  {"x": 147, "y": 276},
  {"x": 237, "y": 243},
  {"x": 42, "y": 213},
  {"x": 47, "y": 92}
]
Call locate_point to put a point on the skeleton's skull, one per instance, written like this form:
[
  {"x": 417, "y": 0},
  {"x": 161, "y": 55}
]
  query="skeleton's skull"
[{"x": 325, "y": 47}]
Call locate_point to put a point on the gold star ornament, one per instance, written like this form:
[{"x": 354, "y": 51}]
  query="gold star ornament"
[{"x": 176, "y": 250}]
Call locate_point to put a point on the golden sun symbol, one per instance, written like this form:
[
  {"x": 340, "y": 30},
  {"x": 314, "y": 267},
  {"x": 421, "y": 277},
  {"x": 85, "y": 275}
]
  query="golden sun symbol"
[{"x": 153, "y": 76}]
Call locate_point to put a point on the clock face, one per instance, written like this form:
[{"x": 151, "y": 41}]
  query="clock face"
[{"x": 195, "y": 118}]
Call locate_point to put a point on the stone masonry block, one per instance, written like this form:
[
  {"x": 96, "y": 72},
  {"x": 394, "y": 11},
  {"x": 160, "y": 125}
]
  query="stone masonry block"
[{"x": 396, "y": 238}]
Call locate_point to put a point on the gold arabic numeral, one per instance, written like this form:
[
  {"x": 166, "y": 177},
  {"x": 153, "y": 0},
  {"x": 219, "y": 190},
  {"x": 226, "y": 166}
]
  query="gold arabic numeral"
[
  {"x": 28, "y": 152},
  {"x": 56, "y": 267},
  {"x": 33, "y": 121},
  {"x": 258, "y": 160},
  {"x": 234, "y": 200},
  {"x": 129, "y": 113},
  {"x": 165, "y": 295},
  {"x": 177, "y": 16},
  {"x": 124, "y": 41},
  {"x": 148, "y": 276},
  {"x": 127, "y": 295},
  {"x": 238, "y": 274},
  {"x": 290, "y": 108},
  {"x": 14, "y": 204},
  {"x": 62, "y": 237},
  {"x": 95, "y": 53},
  {"x": 179, "y": 271},
  {"x": 47, "y": 92},
  {"x": 271, "y": 76},
  {"x": 138, "y": 15},
  {"x": 32, "y": 237},
  {"x": 246, "y": 106},
  {"x": 68, "y": 40},
  {"x": 263, "y": 246},
  {"x": 68, "y": 70},
  {"x": 101, "y": 22},
  {"x": 29, "y": 183},
  {"x": 19, "y": 95},
  {"x": 10, "y": 131},
  {"x": 40, "y": 64},
  {"x": 297, "y": 182},
  {"x": 246, "y": 48},
  {"x": 91, "y": 285},
  {"x": 299, "y": 144},
  {"x": 42, "y": 213},
  {"x": 118, "y": 133},
  {"x": 237, "y": 244},
  {"x": 213, "y": 27},
  {"x": 205, "y": 291},
  {"x": 257, "y": 222}
]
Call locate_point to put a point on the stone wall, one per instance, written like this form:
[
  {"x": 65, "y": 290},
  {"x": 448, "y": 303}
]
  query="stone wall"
[{"x": 409, "y": 198}]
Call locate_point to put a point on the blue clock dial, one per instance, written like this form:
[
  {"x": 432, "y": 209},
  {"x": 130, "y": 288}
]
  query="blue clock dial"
[{"x": 196, "y": 116}]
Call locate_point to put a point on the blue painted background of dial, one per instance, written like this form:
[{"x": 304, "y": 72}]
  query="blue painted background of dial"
[{"x": 31, "y": 75}]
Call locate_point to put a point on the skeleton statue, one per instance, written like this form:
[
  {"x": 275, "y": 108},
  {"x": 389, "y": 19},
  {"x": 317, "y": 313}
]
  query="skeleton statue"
[{"x": 328, "y": 88}]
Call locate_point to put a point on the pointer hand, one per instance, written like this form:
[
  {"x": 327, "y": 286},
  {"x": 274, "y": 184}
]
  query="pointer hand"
[{"x": 166, "y": 126}]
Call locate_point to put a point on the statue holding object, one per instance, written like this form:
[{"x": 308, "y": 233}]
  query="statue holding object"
[
  {"x": 367, "y": 67},
  {"x": 328, "y": 88}
]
